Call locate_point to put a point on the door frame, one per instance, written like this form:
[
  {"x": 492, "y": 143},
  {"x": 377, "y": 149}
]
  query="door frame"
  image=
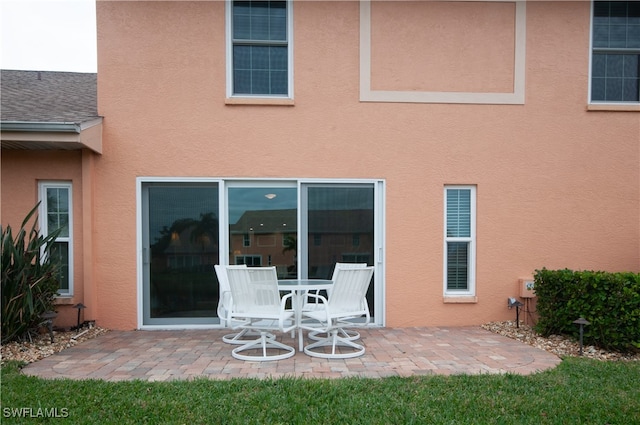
[
  {"x": 379, "y": 261},
  {"x": 144, "y": 254}
]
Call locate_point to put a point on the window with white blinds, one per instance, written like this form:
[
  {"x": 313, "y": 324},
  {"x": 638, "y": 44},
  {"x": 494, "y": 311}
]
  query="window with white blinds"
[{"x": 459, "y": 240}]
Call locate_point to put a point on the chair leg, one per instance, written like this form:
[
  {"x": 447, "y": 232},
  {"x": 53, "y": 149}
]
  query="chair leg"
[
  {"x": 334, "y": 340},
  {"x": 242, "y": 337},
  {"x": 264, "y": 342},
  {"x": 348, "y": 334}
]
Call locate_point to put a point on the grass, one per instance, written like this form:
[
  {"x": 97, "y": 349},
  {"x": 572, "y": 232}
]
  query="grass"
[{"x": 578, "y": 391}]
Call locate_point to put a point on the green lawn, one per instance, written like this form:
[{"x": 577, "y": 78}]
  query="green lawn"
[{"x": 578, "y": 391}]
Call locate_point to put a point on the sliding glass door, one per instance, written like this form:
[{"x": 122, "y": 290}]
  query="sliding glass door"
[
  {"x": 301, "y": 227},
  {"x": 262, "y": 223},
  {"x": 338, "y": 227},
  {"x": 180, "y": 246}
]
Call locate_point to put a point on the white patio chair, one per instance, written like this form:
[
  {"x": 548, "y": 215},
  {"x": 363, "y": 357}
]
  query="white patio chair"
[
  {"x": 338, "y": 313},
  {"x": 225, "y": 304},
  {"x": 351, "y": 334},
  {"x": 257, "y": 306},
  {"x": 259, "y": 274}
]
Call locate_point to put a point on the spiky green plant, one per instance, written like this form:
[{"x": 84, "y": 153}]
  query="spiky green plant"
[{"x": 29, "y": 278}]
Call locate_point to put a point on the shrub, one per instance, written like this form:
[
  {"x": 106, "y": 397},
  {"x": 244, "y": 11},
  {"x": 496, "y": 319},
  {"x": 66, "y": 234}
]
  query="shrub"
[
  {"x": 609, "y": 301},
  {"x": 29, "y": 278}
]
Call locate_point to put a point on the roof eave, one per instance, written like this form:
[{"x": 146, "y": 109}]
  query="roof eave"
[
  {"x": 30, "y": 126},
  {"x": 32, "y": 135}
]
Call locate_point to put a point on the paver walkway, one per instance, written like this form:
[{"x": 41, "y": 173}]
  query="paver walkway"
[{"x": 185, "y": 354}]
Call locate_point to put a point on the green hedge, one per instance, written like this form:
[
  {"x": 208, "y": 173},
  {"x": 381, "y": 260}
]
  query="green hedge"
[{"x": 610, "y": 301}]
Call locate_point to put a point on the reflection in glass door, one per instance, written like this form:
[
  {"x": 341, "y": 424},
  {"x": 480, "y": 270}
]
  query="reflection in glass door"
[
  {"x": 180, "y": 247},
  {"x": 263, "y": 227},
  {"x": 301, "y": 228},
  {"x": 339, "y": 227}
]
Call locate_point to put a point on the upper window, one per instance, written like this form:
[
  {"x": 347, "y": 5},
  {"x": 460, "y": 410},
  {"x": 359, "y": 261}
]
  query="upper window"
[
  {"x": 460, "y": 238},
  {"x": 56, "y": 213},
  {"x": 615, "y": 61},
  {"x": 260, "y": 48}
]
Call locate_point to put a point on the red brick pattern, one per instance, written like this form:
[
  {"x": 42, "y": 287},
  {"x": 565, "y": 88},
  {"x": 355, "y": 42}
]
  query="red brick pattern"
[{"x": 185, "y": 354}]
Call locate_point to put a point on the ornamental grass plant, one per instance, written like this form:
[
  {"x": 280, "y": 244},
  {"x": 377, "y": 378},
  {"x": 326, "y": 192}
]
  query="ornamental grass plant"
[{"x": 29, "y": 277}]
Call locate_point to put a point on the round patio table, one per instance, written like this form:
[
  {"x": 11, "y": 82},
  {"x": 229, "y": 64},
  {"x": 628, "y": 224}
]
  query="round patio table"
[{"x": 299, "y": 288}]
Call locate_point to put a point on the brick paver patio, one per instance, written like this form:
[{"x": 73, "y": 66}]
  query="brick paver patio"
[{"x": 185, "y": 354}]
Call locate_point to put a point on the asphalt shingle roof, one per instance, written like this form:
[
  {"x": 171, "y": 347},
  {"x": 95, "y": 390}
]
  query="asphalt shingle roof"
[{"x": 48, "y": 96}]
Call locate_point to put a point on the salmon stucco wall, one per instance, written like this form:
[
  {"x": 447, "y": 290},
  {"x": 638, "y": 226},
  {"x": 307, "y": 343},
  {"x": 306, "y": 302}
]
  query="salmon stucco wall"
[
  {"x": 22, "y": 170},
  {"x": 557, "y": 185},
  {"x": 406, "y": 59}
]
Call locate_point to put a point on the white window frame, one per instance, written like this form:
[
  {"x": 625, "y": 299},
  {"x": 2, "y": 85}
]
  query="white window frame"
[
  {"x": 44, "y": 225},
  {"x": 471, "y": 277},
  {"x": 229, "y": 56},
  {"x": 631, "y": 104}
]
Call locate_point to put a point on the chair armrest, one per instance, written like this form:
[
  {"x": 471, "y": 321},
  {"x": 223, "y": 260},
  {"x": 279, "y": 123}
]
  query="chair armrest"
[
  {"x": 317, "y": 297},
  {"x": 224, "y": 305},
  {"x": 283, "y": 312},
  {"x": 320, "y": 316},
  {"x": 283, "y": 300}
]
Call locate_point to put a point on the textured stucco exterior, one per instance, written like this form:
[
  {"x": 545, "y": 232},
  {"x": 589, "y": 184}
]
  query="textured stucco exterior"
[
  {"x": 558, "y": 185},
  {"x": 21, "y": 172}
]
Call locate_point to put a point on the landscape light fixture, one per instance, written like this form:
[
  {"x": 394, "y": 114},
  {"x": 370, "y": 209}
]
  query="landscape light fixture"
[
  {"x": 80, "y": 307},
  {"x": 582, "y": 322},
  {"x": 48, "y": 317},
  {"x": 517, "y": 304}
]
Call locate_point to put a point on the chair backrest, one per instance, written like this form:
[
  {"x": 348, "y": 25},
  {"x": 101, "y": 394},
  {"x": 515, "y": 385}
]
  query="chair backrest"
[
  {"x": 223, "y": 280},
  {"x": 265, "y": 274},
  {"x": 349, "y": 289},
  {"x": 254, "y": 290},
  {"x": 342, "y": 266},
  {"x": 225, "y": 300}
]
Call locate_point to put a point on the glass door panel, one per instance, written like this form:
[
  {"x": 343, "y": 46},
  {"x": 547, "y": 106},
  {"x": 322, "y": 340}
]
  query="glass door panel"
[
  {"x": 339, "y": 227},
  {"x": 180, "y": 247},
  {"x": 263, "y": 227}
]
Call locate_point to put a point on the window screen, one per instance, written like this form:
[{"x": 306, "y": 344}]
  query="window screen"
[
  {"x": 260, "y": 48},
  {"x": 615, "y": 62}
]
